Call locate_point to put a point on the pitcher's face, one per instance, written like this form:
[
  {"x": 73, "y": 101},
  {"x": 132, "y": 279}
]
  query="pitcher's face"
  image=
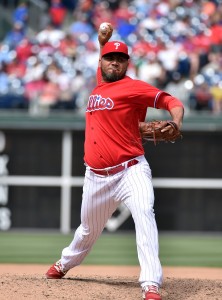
[{"x": 114, "y": 66}]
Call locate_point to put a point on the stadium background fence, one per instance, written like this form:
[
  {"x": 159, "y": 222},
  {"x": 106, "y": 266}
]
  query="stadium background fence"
[{"x": 42, "y": 173}]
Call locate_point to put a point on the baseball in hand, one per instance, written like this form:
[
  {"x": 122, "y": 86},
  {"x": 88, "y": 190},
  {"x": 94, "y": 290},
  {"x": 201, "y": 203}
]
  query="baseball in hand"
[
  {"x": 104, "y": 33},
  {"x": 104, "y": 27}
]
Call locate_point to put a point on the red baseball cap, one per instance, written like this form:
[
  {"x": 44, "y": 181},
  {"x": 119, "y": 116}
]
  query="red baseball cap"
[{"x": 115, "y": 46}]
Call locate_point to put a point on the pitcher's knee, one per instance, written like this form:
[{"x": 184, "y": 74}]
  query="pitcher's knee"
[
  {"x": 147, "y": 209},
  {"x": 85, "y": 234}
]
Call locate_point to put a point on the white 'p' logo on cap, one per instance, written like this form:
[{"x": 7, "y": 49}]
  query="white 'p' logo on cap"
[{"x": 117, "y": 45}]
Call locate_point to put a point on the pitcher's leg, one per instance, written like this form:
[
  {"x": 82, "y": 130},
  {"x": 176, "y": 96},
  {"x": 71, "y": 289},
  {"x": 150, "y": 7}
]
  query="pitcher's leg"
[
  {"x": 140, "y": 202},
  {"x": 97, "y": 207}
]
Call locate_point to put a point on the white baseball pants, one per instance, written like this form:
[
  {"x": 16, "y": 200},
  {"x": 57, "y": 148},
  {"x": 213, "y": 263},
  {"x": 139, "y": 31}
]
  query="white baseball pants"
[{"x": 101, "y": 197}]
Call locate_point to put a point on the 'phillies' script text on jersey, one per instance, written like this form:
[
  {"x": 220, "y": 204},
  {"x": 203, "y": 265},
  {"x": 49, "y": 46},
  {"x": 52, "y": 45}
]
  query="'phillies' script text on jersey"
[{"x": 97, "y": 102}]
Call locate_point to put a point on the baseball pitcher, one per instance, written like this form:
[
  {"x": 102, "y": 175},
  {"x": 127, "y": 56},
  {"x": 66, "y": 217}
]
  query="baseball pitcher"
[{"x": 116, "y": 168}]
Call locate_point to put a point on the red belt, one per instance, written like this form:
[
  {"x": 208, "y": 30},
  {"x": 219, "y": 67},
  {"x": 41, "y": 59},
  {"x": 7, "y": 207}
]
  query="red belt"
[{"x": 116, "y": 169}]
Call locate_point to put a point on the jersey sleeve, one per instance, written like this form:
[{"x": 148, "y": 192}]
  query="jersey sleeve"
[
  {"x": 167, "y": 102},
  {"x": 143, "y": 94},
  {"x": 149, "y": 96}
]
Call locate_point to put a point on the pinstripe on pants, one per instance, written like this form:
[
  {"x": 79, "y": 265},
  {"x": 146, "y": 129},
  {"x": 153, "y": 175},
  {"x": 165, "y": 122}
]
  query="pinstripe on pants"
[{"x": 101, "y": 197}]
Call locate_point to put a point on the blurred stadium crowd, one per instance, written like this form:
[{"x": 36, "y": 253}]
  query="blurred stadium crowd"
[{"x": 175, "y": 45}]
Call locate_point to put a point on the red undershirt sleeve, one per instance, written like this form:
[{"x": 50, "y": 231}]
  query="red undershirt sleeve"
[{"x": 99, "y": 75}]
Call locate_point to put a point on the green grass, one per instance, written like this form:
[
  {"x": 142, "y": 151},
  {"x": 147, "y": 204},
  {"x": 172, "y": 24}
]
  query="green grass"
[
  {"x": 191, "y": 250},
  {"x": 112, "y": 249}
]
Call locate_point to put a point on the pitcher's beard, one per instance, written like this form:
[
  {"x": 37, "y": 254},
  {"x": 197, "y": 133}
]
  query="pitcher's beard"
[{"x": 112, "y": 77}]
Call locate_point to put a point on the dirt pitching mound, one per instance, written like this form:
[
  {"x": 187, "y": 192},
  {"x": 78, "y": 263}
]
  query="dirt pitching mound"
[{"x": 106, "y": 283}]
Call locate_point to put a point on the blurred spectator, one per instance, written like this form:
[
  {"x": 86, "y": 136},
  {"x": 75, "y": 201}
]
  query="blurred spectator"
[
  {"x": 81, "y": 90},
  {"x": 15, "y": 35},
  {"x": 169, "y": 58},
  {"x": 6, "y": 54},
  {"x": 150, "y": 23},
  {"x": 11, "y": 90},
  {"x": 4, "y": 80},
  {"x": 84, "y": 7},
  {"x": 101, "y": 13},
  {"x": 50, "y": 36},
  {"x": 125, "y": 28},
  {"x": 125, "y": 21},
  {"x": 20, "y": 14},
  {"x": 201, "y": 97},
  {"x": 62, "y": 79},
  {"x": 34, "y": 69},
  {"x": 208, "y": 8},
  {"x": 216, "y": 34},
  {"x": 16, "y": 68},
  {"x": 81, "y": 30},
  {"x": 13, "y": 101},
  {"x": 49, "y": 94},
  {"x": 216, "y": 92},
  {"x": 33, "y": 90},
  {"x": 68, "y": 46},
  {"x": 151, "y": 70},
  {"x": 24, "y": 50},
  {"x": 124, "y": 11},
  {"x": 57, "y": 13},
  {"x": 179, "y": 88},
  {"x": 77, "y": 85}
]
